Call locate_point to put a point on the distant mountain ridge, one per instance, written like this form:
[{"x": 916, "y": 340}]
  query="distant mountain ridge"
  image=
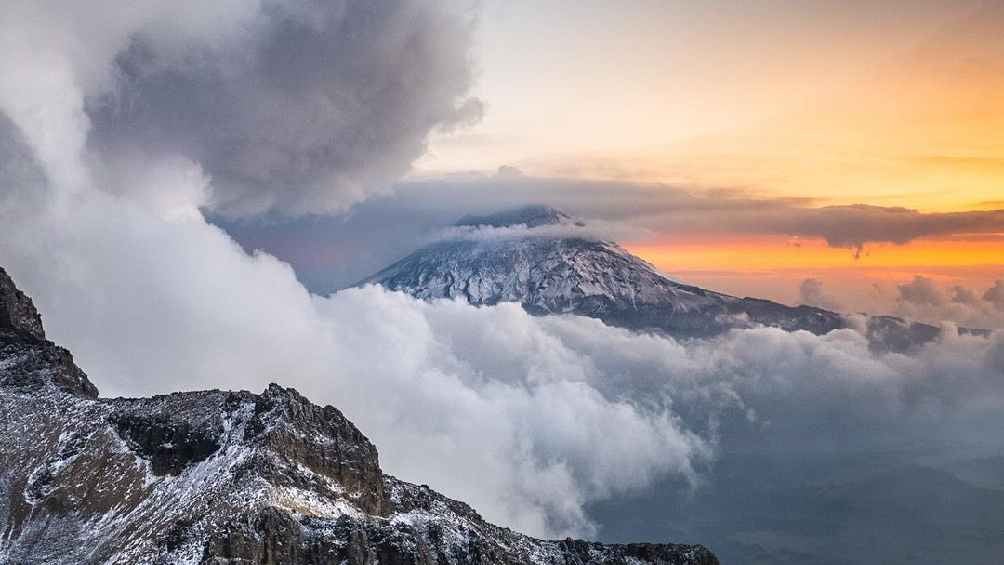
[
  {"x": 573, "y": 273},
  {"x": 220, "y": 477}
]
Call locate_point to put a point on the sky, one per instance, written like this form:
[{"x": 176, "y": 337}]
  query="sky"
[
  {"x": 769, "y": 95},
  {"x": 190, "y": 190},
  {"x": 831, "y": 103}
]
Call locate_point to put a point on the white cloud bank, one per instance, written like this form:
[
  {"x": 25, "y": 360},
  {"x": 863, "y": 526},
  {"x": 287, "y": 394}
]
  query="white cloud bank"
[
  {"x": 484, "y": 404},
  {"x": 109, "y": 153},
  {"x": 924, "y": 299},
  {"x": 920, "y": 299},
  {"x": 529, "y": 419}
]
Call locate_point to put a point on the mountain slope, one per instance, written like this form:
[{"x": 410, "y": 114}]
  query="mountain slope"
[
  {"x": 218, "y": 477},
  {"x": 551, "y": 264},
  {"x": 554, "y": 270}
]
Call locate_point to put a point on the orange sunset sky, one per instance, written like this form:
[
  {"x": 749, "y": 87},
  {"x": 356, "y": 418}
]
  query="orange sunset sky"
[{"x": 892, "y": 104}]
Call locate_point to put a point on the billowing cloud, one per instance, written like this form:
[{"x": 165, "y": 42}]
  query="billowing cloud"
[
  {"x": 154, "y": 302},
  {"x": 995, "y": 295},
  {"x": 924, "y": 299},
  {"x": 530, "y": 419},
  {"x": 922, "y": 291},
  {"x": 289, "y": 106},
  {"x": 811, "y": 292},
  {"x": 529, "y": 446}
]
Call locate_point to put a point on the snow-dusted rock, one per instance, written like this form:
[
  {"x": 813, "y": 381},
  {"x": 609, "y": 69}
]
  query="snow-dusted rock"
[{"x": 219, "y": 477}]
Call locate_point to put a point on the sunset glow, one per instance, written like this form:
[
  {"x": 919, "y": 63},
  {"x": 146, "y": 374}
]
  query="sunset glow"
[
  {"x": 753, "y": 254},
  {"x": 826, "y": 103}
]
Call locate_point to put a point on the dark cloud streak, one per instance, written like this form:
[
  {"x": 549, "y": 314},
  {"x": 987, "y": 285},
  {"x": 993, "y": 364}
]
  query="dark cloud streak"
[
  {"x": 675, "y": 211},
  {"x": 386, "y": 228}
]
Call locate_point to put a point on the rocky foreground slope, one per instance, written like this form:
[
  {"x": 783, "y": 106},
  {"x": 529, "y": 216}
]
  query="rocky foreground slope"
[{"x": 220, "y": 477}]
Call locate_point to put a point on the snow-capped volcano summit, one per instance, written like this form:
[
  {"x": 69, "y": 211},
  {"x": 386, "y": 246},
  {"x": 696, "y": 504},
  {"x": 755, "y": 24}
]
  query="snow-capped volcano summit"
[{"x": 566, "y": 270}]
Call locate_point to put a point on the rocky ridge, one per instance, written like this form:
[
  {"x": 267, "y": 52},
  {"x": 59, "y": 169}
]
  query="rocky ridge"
[{"x": 218, "y": 477}]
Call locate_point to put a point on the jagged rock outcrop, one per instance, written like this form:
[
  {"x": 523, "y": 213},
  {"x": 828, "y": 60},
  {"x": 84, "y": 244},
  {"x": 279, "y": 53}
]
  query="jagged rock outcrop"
[
  {"x": 17, "y": 313},
  {"x": 218, "y": 477},
  {"x": 24, "y": 351}
]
